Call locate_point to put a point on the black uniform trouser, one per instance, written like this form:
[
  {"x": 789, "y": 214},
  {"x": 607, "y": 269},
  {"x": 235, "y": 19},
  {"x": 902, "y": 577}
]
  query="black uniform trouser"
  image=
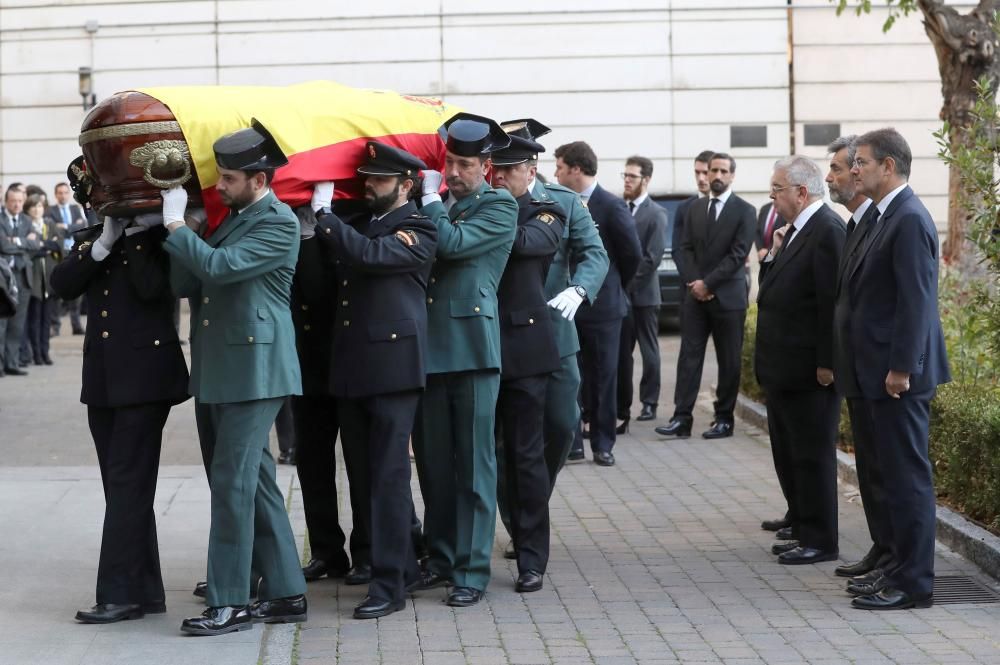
[
  {"x": 641, "y": 326},
  {"x": 523, "y": 487},
  {"x": 12, "y": 329},
  {"x": 598, "y": 360},
  {"x": 376, "y": 434},
  {"x": 901, "y": 456},
  {"x": 803, "y": 429},
  {"x": 128, "y": 442},
  {"x": 870, "y": 481},
  {"x": 699, "y": 321},
  {"x": 316, "y": 427}
]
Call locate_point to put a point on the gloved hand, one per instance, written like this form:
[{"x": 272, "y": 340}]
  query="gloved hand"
[
  {"x": 307, "y": 222},
  {"x": 109, "y": 236},
  {"x": 567, "y": 302},
  {"x": 432, "y": 182},
  {"x": 322, "y": 195},
  {"x": 174, "y": 202}
]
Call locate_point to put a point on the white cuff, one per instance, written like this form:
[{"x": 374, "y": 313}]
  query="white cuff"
[
  {"x": 430, "y": 198},
  {"x": 99, "y": 252}
]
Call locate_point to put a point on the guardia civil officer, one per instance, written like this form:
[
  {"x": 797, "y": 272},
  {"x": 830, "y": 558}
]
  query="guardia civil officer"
[
  {"x": 383, "y": 262},
  {"x": 528, "y": 354},
  {"x": 453, "y": 437},
  {"x": 243, "y": 366},
  {"x": 133, "y": 372}
]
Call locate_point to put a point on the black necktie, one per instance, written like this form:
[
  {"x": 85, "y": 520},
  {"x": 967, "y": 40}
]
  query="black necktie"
[
  {"x": 713, "y": 207},
  {"x": 850, "y": 226},
  {"x": 784, "y": 242},
  {"x": 631, "y": 207}
]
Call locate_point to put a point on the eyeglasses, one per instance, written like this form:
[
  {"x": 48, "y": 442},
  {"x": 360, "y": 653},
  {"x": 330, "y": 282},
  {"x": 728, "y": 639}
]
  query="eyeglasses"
[
  {"x": 860, "y": 163},
  {"x": 775, "y": 190},
  {"x": 631, "y": 176}
]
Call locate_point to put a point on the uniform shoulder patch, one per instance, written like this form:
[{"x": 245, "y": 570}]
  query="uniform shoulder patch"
[
  {"x": 545, "y": 217},
  {"x": 407, "y": 237}
]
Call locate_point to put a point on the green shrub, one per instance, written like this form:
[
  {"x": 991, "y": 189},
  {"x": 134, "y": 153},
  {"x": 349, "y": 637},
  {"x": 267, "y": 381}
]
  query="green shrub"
[{"x": 748, "y": 380}]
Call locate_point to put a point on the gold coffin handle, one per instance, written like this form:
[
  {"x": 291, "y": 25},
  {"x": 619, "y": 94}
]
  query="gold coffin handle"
[{"x": 170, "y": 154}]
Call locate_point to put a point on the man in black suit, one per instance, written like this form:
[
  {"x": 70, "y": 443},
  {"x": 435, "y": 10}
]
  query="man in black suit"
[
  {"x": 642, "y": 324},
  {"x": 383, "y": 264},
  {"x": 844, "y": 190},
  {"x": 18, "y": 244},
  {"x": 680, "y": 217},
  {"x": 717, "y": 238},
  {"x": 133, "y": 372},
  {"x": 599, "y": 324},
  {"x": 794, "y": 356},
  {"x": 768, "y": 221},
  {"x": 895, "y": 346},
  {"x": 67, "y": 218},
  {"x": 529, "y": 355}
]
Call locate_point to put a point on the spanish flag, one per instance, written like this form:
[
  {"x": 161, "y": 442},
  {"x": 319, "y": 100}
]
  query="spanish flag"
[{"x": 321, "y": 126}]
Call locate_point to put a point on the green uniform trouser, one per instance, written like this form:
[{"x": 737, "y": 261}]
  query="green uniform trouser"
[
  {"x": 249, "y": 520},
  {"x": 456, "y": 463}
]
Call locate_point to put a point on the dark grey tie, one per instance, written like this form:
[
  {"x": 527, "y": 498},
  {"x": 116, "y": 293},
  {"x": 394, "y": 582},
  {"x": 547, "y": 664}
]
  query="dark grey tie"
[
  {"x": 631, "y": 207},
  {"x": 713, "y": 207}
]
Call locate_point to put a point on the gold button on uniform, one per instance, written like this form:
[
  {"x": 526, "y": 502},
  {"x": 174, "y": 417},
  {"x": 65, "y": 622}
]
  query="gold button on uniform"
[
  {"x": 343, "y": 303},
  {"x": 305, "y": 308},
  {"x": 205, "y": 300},
  {"x": 125, "y": 262},
  {"x": 105, "y": 292},
  {"x": 392, "y": 336},
  {"x": 104, "y": 313},
  {"x": 138, "y": 246},
  {"x": 105, "y": 334},
  {"x": 250, "y": 339},
  {"x": 531, "y": 322},
  {"x": 307, "y": 327},
  {"x": 344, "y": 282},
  {"x": 156, "y": 342},
  {"x": 205, "y": 323},
  {"x": 476, "y": 308},
  {"x": 430, "y": 300},
  {"x": 347, "y": 323},
  {"x": 433, "y": 280}
]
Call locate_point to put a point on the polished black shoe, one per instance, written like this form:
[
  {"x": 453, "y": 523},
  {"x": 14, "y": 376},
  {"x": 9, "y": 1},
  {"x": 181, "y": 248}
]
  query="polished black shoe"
[
  {"x": 510, "y": 552},
  {"x": 786, "y": 533},
  {"x": 782, "y": 547},
  {"x": 47, "y": 360},
  {"x": 648, "y": 413},
  {"x": 891, "y": 599},
  {"x": 14, "y": 371},
  {"x": 602, "y": 458},
  {"x": 291, "y": 609},
  {"x": 866, "y": 565},
  {"x": 718, "y": 430},
  {"x": 109, "y": 613},
  {"x": 463, "y": 596},
  {"x": 373, "y": 608},
  {"x": 317, "y": 568},
  {"x": 428, "y": 580},
  {"x": 528, "y": 581},
  {"x": 575, "y": 456},
  {"x": 867, "y": 588},
  {"x": 218, "y": 621},
  {"x": 358, "y": 574},
  {"x": 775, "y": 525},
  {"x": 623, "y": 428},
  {"x": 806, "y": 555},
  {"x": 676, "y": 427},
  {"x": 867, "y": 578}
]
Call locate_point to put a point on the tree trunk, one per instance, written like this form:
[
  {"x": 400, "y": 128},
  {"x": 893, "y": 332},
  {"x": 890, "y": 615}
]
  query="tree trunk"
[{"x": 966, "y": 48}]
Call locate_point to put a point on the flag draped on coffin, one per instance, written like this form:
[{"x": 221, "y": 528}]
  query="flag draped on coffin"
[{"x": 321, "y": 126}]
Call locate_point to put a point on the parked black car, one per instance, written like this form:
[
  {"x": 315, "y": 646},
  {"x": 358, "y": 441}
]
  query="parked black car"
[{"x": 671, "y": 289}]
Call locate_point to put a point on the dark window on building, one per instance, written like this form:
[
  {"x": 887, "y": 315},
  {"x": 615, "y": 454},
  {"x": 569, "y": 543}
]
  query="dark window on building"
[
  {"x": 748, "y": 136},
  {"x": 821, "y": 133}
]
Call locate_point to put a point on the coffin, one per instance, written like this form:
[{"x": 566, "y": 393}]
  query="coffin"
[{"x": 137, "y": 142}]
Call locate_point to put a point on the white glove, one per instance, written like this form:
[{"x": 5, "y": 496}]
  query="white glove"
[
  {"x": 109, "y": 236},
  {"x": 322, "y": 195},
  {"x": 174, "y": 202},
  {"x": 307, "y": 222},
  {"x": 432, "y": 183},
  {"x": 567, "y": 302}
]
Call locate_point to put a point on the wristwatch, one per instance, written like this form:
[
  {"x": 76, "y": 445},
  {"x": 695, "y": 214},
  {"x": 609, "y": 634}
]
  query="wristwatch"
[{"x": 580, "y": 291}]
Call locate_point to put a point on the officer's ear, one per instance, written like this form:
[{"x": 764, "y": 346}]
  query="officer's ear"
[
  {"x": 487, "y": 164},
  {"x": 407, "y": 186}
]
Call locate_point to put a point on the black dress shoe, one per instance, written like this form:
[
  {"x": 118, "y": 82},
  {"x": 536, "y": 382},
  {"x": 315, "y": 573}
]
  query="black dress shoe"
[
  {"x": 15, "y": 371},
  {"x": 575, "y": 456},
  {"x": 317, "y": 568},
  {"x": 602, "y": 458},
  {"x": 786, "y": 533},
  {"x": 868, "y": 578},
  {"x": 891, "y": 599},
  {"x": 775, "y": 525},
  {"x": 47, "y": 360},
  {"x": 648, "y": 413},
  {"x": 463, "y": 596},
  {"x": 373, "y": 608},
  {"x": 866, "y": 565},
  {"x": 867, "y": 588},
  {"x": 359, "y": 574},
  {"x": 218, "y": 621},
  {"x": 718, "y": 430},
  {"x": 676, "y": 427},
  {"x": 805, "y": 555},
  {"x": 510, "y": 552},
  {"x": 782, "y": 547},
  {"x": 623, "y": 428},
  {"x": 528, "y": 581},
  {"x": 428, "y": 580},
  {"x": 291, "y": 609},
  {"x": 109, "y": 613}
]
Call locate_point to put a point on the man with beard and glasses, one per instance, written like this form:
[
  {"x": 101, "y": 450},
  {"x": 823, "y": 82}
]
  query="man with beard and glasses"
[
  {"x": 243, "y": 366},
  {"x": 530, "y": 354},
  {"x": 379, "y": 336},
  {"x": 453, "y": 439},
  {"x": 717, "y": 238}
]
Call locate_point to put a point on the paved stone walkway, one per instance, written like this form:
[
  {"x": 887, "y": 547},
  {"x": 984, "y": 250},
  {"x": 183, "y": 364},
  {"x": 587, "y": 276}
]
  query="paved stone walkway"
[{"x": 657, "y": 560}]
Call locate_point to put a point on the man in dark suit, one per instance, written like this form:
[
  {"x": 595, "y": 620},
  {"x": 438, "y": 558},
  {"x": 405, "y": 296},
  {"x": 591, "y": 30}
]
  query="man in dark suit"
[
  {"x": 383, "y": 265},
  {"x": 844, "y": 190},
  {"x": 768, "y": 221},
  {"x": 67, "y": 218},
  {"x": 641, "y": 323},
  {"x": 18, "y": 244},
  {"x": 599, "y": 324},
  {"x": 680, "y": 217},
  {"x": 794, "y": 356},
  {"x": 133, "y": 372},
  {"x": 717, "y": 239},
  {"x": 896, "y": 348}
]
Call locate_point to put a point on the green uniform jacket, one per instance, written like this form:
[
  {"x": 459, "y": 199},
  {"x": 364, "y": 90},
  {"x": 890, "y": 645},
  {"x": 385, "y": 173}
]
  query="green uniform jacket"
[
  {"x": 474, "y": 241},
  {"x": 239, "y": 284},
  {"x": 581, "y": 259}
]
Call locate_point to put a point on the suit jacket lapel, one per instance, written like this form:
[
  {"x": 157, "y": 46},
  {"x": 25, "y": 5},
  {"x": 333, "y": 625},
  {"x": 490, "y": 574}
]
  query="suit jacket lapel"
[
  {"x": 799, "y": 240},
  {"x": 883, "y": 221},
  {"x": 231, "y": 223},
  {"x": 724, "y": 217}
]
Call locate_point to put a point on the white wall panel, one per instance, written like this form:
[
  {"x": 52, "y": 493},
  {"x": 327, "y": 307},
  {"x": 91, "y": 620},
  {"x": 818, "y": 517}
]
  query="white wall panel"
[
  {"x": 764, "y": 70},
  {"x": 642, "y": 73},
  {"x": 573, "y": 109},
  {"x": 724, "y": 36},
  {"x": 730, "y": 106},
  {"x": 560, "y": 40},
  {"x": 319, "y": 47}
]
